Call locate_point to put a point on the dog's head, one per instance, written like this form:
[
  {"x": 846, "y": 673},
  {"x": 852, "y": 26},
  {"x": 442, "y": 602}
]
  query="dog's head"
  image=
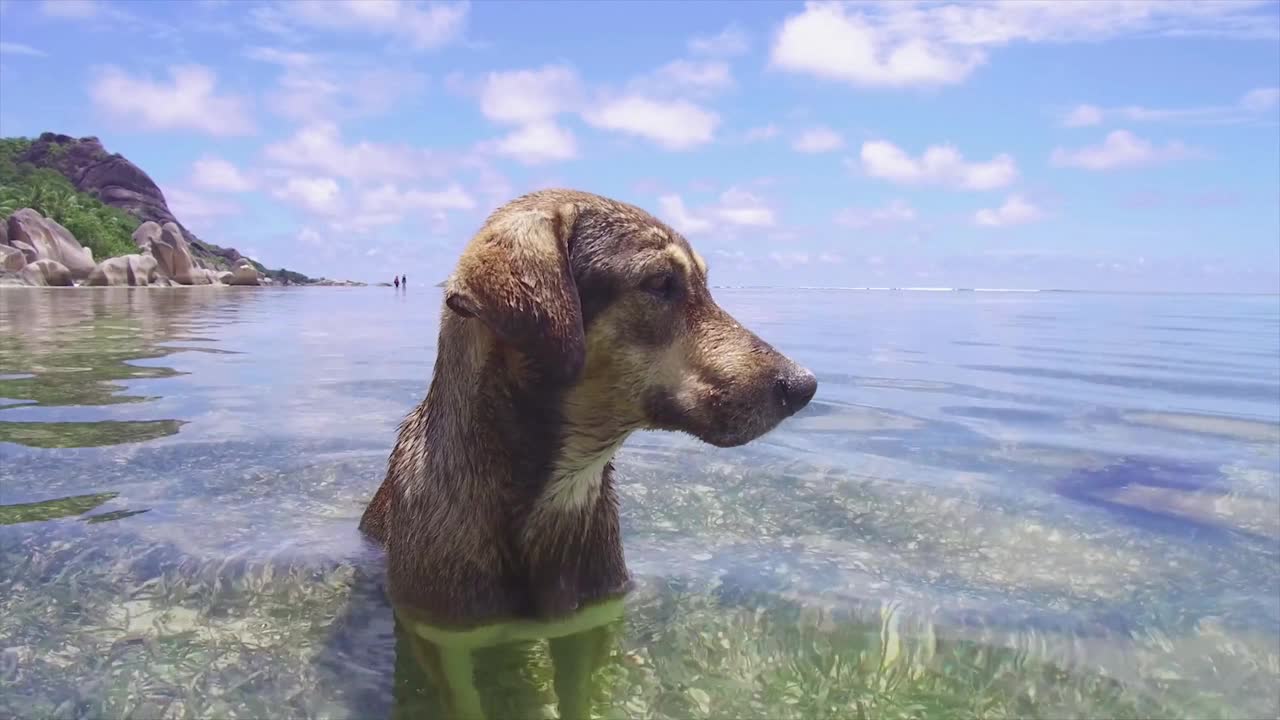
[{"x": 604, "y": 300}]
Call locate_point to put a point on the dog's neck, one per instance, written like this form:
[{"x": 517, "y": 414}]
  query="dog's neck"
[
  {"x": 539, "y": 435},
  {"x": 512, "y": 481}
]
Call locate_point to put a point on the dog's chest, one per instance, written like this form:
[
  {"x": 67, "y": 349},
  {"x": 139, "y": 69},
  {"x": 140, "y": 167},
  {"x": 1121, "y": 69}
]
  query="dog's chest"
[{"x": 576, "y": 479}]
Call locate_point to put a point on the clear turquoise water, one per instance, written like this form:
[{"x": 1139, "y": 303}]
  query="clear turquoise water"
[{"x": 1052, "y": 505}]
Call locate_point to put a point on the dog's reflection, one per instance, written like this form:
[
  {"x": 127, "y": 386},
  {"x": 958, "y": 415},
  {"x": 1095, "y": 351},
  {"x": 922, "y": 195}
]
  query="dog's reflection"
[{"x": 514, "y": 669}]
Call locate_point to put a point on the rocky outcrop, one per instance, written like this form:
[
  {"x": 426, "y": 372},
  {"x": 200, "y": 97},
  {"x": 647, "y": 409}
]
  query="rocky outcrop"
[
  {"x": 243, "y": 274},
  {"x": 132, "y": 270},
  {"x": 41, "y": 238},
  {"x": 174, "y": 255},
  {"x": 11, "y": 258},
  {"x": 111, "y": 178},
  {"x": 45, "y": 273}
]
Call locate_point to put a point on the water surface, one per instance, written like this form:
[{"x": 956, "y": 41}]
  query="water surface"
[{"x": 998, "y": 504}]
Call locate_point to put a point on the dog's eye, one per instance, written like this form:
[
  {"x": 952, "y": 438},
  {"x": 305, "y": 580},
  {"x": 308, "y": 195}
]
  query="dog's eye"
[{"x": 662, "y": 285}]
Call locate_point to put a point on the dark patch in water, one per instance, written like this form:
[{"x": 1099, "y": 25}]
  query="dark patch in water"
[{"x": 1092, "y": 486}]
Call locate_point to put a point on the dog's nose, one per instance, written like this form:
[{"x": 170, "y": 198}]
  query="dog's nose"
[{"x": 795, "y": 388}]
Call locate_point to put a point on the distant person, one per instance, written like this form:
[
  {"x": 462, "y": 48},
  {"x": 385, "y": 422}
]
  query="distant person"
[
  {"x": 404, "y": 280},
  {"x": 397, "y": 282}
]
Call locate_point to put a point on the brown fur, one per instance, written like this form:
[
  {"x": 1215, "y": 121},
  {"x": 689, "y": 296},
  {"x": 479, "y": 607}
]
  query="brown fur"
[{"x": 570, "y": 321}]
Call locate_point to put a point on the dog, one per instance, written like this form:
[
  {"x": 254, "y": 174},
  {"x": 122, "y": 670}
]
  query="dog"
[{"x": 570, "y": 321}]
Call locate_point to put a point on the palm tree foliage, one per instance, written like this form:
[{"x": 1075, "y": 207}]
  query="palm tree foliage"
[{"x": 104, "y": 229}]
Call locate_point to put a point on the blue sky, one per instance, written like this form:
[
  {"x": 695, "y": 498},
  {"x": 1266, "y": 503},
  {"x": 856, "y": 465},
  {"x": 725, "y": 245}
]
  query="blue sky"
[{"x": 1096, "y": 145}]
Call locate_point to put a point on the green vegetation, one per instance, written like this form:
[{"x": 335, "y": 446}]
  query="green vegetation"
[
  {"x": 104, "y": 229},
  {"x": 86, "y": 434}
]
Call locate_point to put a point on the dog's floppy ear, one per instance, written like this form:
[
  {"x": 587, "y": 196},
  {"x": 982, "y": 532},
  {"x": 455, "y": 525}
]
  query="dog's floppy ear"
[{"x": 515, "y": 278}]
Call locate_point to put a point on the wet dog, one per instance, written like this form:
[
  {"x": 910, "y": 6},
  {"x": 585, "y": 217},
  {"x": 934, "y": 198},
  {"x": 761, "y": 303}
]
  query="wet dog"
[{"x": 570, "y": 321}]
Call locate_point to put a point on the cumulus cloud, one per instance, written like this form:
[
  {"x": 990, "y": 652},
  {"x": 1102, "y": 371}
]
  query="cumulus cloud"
[
  {"x": 75, "y": 9},
  {"x": 196, "y": 208},
  {"x": 674, "y": 212},
  {"x": 1016, "y": 210},
  {"x": 831, "y": 42},
  {"x": 317, "y": 195},
  {"x": 281, "y": 57},
  {"x": 684, "y": 78},
  {"x": 671, "y": 124},
  {"x": 536, "y": 143},
  {"x": 421, "y": 25},
  {"x": 1121, "y": 149},
  {"x": 319, "y": 148},
  {"x": 728, "y": 42},
  {"x": 905, "y": 44},
  {"x": 523, "y": 96},
  {"x": 218, "y": 175},
  {"x": 818, "y": 140},
  {"x": 1248, "y": 107},
  {"x": 1083, "y": 116},
  {"x": 790, "y": 259},
  {"x": 735, "y": 206},
  {"x": 311, "y": 87},
  {"x": 188, "y": 101},
  {"x": 895, "y": 213},
  {"x": 12, "y": 48},
  {"x": 758, "y": 134},
  {"x": 939, "y": 165},
  {"x": 739, "y": 207},
  {"x": 390, "y": 198}
]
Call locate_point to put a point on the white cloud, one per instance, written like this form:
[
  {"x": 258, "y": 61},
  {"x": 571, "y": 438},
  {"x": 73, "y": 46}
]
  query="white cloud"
[
  {"x": 318, "y": 195},
  {"x": 278, "y": 56},
  {"x": 319, "y": 148},
  {"x": 313, "y": 87},
  {"x": 389, "y": 198},
  {"x": 790, "y": 259},
  {"x": 424, "y": 26},
  {"x": 77, "y": 9},
  {"x": 827, "y": 41},
  {"x": 901, "y": 44},
  {"x": 735, "y": 206},
  {"x": 313, "y": 92},
  {"x": 10, "y": 48},
  {"x": 1261, "y": 99},
  {"x": 758, "y": 134},
  {"x": 1083, "y": 116},
  {"x": 896, "y": 212},
  {"x": 674, "y": 212},
  {"x": 1016, "y": 210},
  {"x": 739, "y": 207},
  {"x": 524, "y": 96},
  {"x": 702, "y": 77},
  {"x": 216, "y": 174},
  {"x": 537, "y": 143},
  {"x": 673, "y": 124},
  {"x": 939, "y": 165},
  {"x": 1248, "y": 107},
  {"x": 818, "y": 140},
  {"x": 190, "y": 101},
  {"x": 1121, "y": 149},
  {"x": 195, "y": 208},
  {"x": 729, "y": 42}
]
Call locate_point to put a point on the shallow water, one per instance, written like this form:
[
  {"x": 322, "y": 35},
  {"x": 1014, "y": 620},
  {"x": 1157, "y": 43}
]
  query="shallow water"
[{"x": 999, "y": 504}]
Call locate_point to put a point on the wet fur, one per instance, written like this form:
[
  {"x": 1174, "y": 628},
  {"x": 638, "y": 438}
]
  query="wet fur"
[{"x": 558, "y": 338}]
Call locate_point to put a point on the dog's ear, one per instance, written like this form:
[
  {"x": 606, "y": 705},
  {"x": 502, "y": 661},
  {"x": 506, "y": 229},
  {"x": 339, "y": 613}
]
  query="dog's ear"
[{"x": 515, "y": 278}]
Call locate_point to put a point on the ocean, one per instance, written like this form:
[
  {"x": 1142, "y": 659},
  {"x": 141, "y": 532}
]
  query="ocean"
[{"x": 1031, "y": 504}]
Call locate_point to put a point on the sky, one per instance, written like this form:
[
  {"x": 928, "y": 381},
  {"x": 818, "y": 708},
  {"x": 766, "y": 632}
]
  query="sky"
[{"x": 1086, "y": 144}]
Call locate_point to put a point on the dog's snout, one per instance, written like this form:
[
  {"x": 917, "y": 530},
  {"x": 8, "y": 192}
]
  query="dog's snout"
[{"x": 795, "y": 388}]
